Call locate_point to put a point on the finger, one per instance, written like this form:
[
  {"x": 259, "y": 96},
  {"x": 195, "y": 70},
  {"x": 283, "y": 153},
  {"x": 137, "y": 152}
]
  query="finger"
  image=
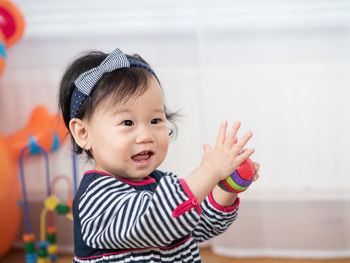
[
  {"x": 232, "y": 134},
  {"x": 206, "y": 147},
  {"x": 243, "y": 156},
  {"x": 256, "y": 177},
  {"x": 241, "y": 143},
  {"x": 256, "y": 166},
  {"x": 222, "y": 133}
]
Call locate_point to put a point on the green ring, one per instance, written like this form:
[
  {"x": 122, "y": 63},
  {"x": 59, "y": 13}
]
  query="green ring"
[{"x": 234, "y": 185}]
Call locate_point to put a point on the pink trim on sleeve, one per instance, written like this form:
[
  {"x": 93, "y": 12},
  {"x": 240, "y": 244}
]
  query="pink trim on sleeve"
[
  {"x": 189, "y": 204},
  {"x": 223, "y": 208}
]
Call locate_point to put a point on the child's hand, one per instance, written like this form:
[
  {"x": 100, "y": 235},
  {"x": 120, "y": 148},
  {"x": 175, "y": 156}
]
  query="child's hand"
[
  {"x": 223, "y": 159},
  {"x": 257, "y": 167}
]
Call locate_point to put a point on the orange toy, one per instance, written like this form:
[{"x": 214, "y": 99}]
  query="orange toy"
[
  {"x": 9, "y": 197},
  {"x": 11, "y": 28},
  {"x": 45, "y": 129},
  {"x": 11, "y": 23}
]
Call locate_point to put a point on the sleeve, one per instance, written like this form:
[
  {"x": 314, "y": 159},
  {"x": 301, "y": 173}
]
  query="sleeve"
[
  {"x": 115, "y": 216},
  {"x": 215, "y": 219}
]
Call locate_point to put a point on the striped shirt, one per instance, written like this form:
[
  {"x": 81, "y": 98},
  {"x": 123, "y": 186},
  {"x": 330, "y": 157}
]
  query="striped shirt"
[{"x": 156, "y": 220}]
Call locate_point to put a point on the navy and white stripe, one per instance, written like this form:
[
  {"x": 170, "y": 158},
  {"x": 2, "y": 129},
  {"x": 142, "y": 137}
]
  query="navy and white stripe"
[
  {"x": 185, "y": 252},
  {"x": 212, "y": 223},
  {"x": 117, "y": 221},
  {"x": 106, "y": 221},
  {"x": 87, "y": 80}
]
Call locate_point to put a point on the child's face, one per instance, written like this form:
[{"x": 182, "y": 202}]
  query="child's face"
[{"x": 130, "y": 139}]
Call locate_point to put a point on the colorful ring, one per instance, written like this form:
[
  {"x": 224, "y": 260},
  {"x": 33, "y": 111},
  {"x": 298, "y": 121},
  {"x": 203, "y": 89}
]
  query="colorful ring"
[
  {"x": 240, "y": 181},
  {"x": 234, "y": 185},
  {"x": 232, "y": 190},
  {"x": 246, "y": 170},
  {"x": 220, "y": 184},
  {"x": 228, "y": 187}
]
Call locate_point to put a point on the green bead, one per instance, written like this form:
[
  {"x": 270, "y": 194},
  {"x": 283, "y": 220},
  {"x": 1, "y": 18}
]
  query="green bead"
[
  {"x": 42, "y": 252},
  {"x": 29, "y": 247},
  {"x": 62, "y": 209},
  {"x": 51, "y": 238}
]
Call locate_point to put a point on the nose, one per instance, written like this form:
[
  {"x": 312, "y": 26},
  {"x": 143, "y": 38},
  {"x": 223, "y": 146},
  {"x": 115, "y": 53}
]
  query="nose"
[
  {"x": 144, "y": 139},
  {"x": 144, "y": 136}
]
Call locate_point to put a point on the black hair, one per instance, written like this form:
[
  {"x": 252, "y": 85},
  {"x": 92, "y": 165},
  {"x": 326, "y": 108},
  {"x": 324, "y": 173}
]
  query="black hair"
[{"x": 119, "y": 85}]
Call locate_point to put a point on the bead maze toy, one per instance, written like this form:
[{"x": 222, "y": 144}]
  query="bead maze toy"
[
  {"x": 240, "y": 180},
  {"x": 47, "y": 248},
  {"x": 44, "y": 133}
]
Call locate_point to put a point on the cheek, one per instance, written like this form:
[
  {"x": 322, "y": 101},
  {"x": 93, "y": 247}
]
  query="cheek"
[{"x": 165, "y": 141}]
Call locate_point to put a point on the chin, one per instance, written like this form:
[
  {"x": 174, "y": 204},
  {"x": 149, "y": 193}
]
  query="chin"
[{"x": 136, "y": 176}]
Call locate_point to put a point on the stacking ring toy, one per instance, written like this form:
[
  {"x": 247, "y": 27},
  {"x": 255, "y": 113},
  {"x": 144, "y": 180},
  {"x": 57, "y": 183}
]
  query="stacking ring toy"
[{"x": 240, "y": 180}]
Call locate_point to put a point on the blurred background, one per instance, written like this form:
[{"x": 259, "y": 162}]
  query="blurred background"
[{"x": 282, "y": 68}]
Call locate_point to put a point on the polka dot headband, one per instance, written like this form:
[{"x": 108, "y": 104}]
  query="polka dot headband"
[{"x": 87, "y": 80}]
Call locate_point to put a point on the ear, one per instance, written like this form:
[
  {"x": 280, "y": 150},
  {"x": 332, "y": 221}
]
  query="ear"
[{"x": 79, "y": 131}]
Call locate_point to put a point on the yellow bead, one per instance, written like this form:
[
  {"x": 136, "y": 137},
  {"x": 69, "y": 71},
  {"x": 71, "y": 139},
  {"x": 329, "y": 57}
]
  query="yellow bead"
[
  {"x": 52, "y": 249},
  {"x": 69, "y": 216},
  {"x": 51, "y": 202},
  {"x": 43, "y": 260}
]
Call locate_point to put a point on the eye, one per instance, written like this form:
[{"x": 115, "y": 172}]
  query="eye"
[
  {"x": 128, "y": 123},
  {"x": 156, "y": 121}
]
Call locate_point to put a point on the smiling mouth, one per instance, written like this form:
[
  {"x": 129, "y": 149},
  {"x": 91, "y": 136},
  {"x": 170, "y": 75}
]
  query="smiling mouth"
[{"x": 142, "y": 156}]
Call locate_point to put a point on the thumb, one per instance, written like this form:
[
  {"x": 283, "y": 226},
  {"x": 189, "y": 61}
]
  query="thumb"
[{"x": 206, "y": 147}]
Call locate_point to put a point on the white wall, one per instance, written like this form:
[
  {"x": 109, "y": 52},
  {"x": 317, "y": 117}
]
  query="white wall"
[{"x": 280, "y": 67}]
